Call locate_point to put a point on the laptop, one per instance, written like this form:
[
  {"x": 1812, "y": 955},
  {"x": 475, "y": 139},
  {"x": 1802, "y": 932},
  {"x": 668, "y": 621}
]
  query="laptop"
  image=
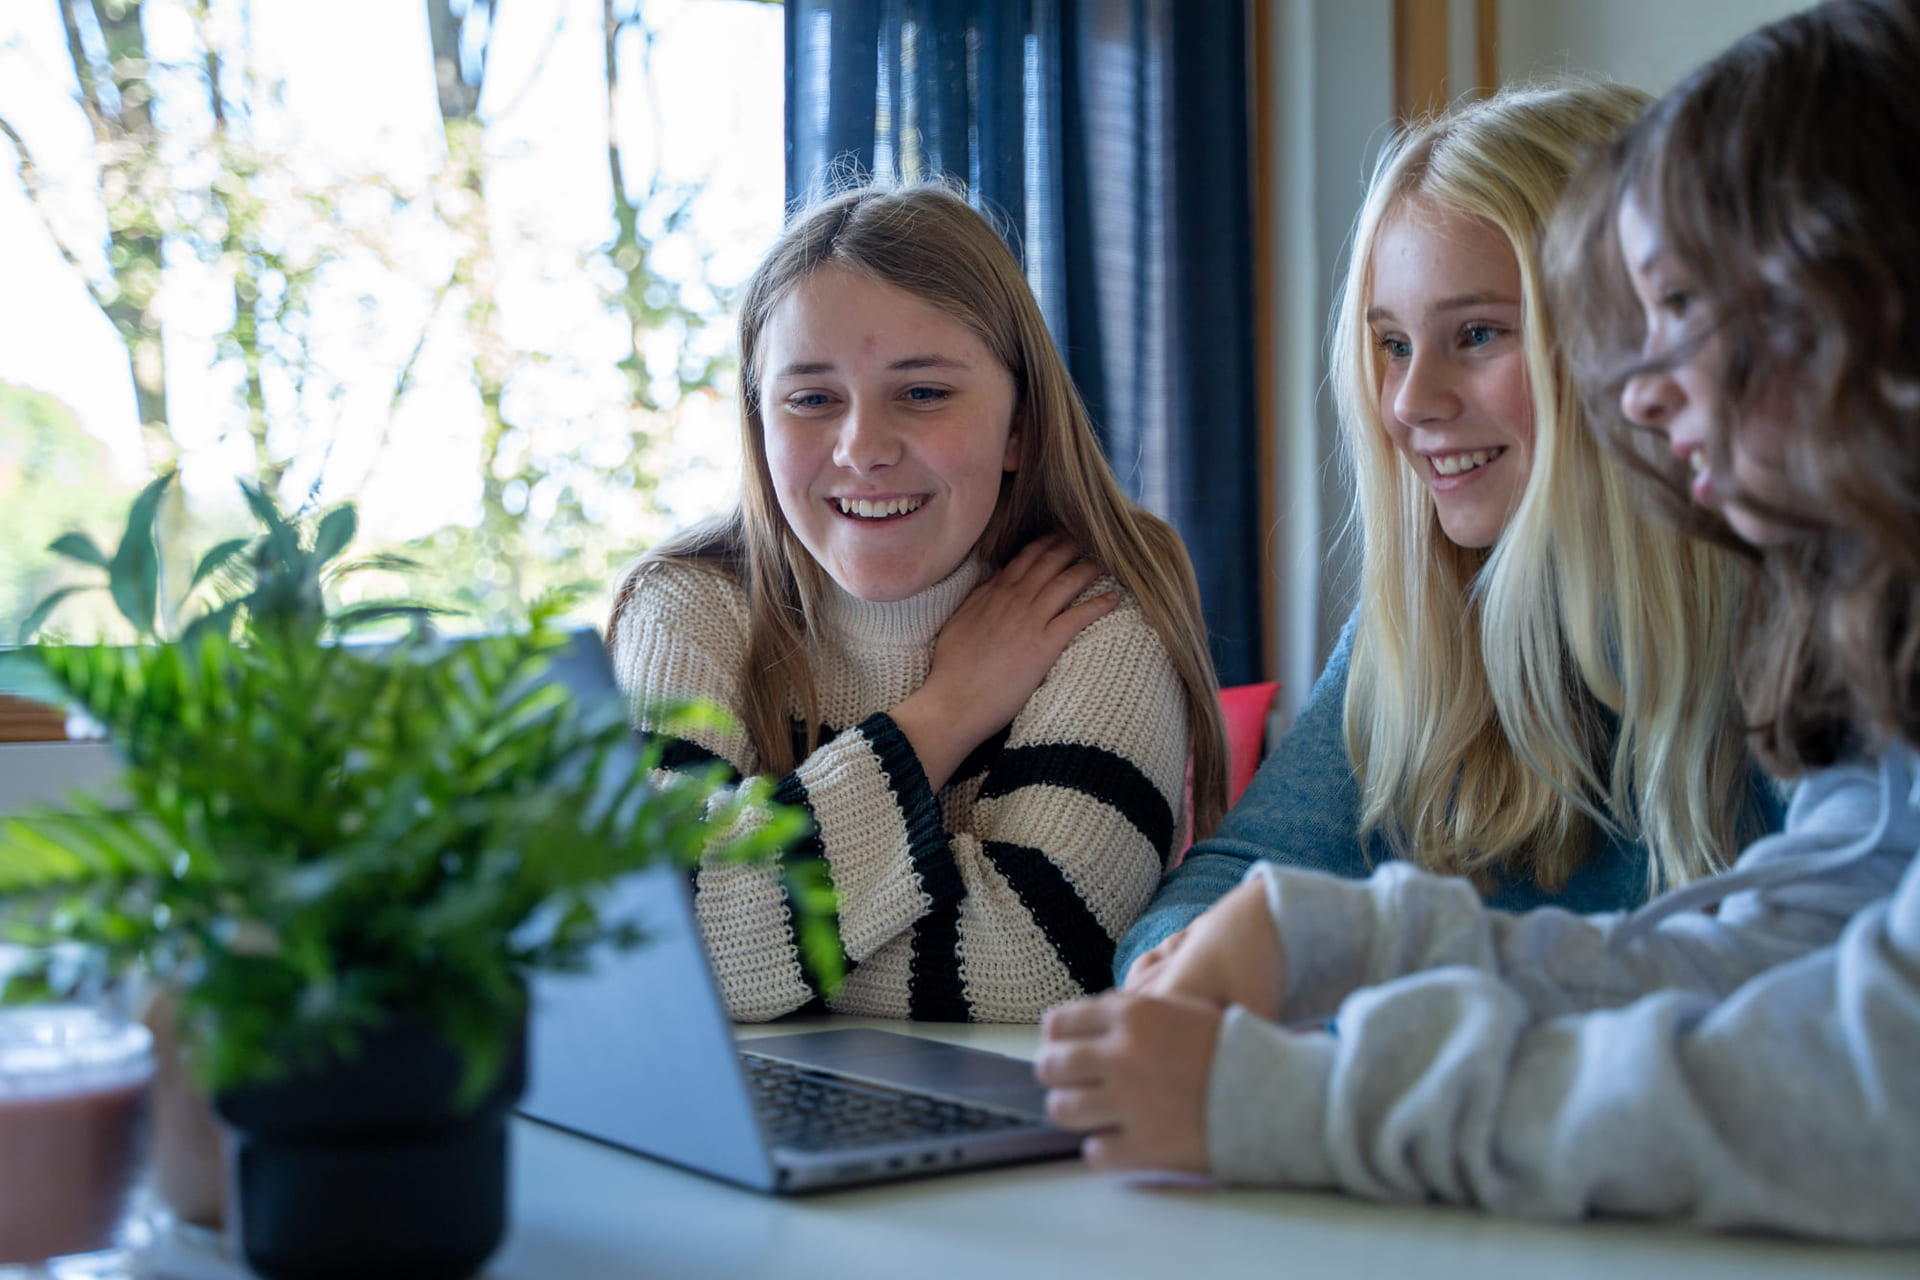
[{"x": 639, "y": 1052}]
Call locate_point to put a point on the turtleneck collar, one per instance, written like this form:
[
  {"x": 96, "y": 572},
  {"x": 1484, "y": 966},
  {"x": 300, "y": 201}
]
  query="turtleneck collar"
[{"x": 899, "y": 624}]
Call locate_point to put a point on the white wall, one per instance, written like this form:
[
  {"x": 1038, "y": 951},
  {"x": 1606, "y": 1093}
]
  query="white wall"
[
  {"x": 1332, "y": 101},
  {"x": 1647, "y": 43}
]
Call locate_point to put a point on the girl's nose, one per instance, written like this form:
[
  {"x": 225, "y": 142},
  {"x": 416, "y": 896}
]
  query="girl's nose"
[
  {"x": 1425, "y": 394},
  {"x": 866, "y": 441},
  {"x": 1651, "y": 399}
]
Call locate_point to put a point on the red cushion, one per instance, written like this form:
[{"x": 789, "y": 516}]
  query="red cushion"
[{"x": 1245, "y": 708}]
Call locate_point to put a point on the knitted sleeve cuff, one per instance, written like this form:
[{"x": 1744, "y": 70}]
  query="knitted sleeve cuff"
[
  {"x": 1267, "y": 1104},
  {"x": 927, "y": 840}
]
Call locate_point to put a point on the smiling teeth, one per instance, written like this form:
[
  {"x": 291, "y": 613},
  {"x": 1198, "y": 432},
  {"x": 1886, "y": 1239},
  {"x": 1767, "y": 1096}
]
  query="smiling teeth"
[
  {"x": 867, "y": 509},
  {"x": 1453, "y": 464},
  {"x": 1697, "y": 460}
]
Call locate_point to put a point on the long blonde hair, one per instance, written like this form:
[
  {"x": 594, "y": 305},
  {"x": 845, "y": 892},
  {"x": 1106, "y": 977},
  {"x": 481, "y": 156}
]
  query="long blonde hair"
[
  {"x": 1485, "y": 684},
  {"x": 926, "y": 240}
]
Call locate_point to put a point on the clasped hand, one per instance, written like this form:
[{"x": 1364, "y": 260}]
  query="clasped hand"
[{"x": 1130, "y": 1068}]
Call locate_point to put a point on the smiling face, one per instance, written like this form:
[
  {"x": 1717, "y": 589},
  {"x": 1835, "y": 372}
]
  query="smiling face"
[
  {"x": 1445, "y": 313},
  {"x": 1683, "y": 399},
  {"x": 888, "y": 425}
]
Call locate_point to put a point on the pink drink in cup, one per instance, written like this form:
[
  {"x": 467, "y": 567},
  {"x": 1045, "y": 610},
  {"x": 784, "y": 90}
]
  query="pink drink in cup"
[{"x": 73, "y": 1087}]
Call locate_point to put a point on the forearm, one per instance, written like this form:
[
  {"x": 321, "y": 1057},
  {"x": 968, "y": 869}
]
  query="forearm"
[
  {"x": 1064, "y": 840},
  {"x": 1011, "y": 910},
  {"x": 1788, "y": 1106},
  {"x": 875, "y": 825},
  {"x": 872, "y": 819},
  {"x": 1343, "y": 935},
  {"x": 940, "y": 731}
]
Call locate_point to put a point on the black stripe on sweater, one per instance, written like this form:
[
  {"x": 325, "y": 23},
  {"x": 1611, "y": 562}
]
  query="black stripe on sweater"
[
  {"x": 927, "y": 844},
  {"x": 980, "y": 758},
  {"x": 1094, "y": 771},
  {"x": 1057, "y": 907},
  {"x": 808, "y": 850},
  {"x": 797, "y": 734},
  {"x": 934, "y": 990},
  {"x": 682, "y": 756}
]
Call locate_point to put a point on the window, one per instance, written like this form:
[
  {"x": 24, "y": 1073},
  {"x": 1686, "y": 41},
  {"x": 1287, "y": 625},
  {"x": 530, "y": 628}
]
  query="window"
[{"x": 456, "y": 262}]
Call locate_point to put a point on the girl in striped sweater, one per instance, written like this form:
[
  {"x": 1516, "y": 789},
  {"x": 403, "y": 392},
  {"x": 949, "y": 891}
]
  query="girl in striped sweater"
[{"x": 941, "y": 630}]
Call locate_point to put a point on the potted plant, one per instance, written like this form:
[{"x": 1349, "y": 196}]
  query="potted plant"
[{"x": 344, "y": 860}]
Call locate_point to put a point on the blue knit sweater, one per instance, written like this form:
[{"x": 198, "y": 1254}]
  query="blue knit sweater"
[{"x": 1302, "y": 809}]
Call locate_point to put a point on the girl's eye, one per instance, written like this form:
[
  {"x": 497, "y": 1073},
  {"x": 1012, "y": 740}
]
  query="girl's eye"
[
  {"x": 1478, "y": 335},
  {"x": 808, "y": 400},
  {"x": 927, "y": 395},
  {"x": 1675, "y": 302},
  {"x": 1396, "y": 348}
]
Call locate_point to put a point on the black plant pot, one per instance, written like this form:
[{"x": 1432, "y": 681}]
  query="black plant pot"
[{"x": 366, "y": 1169}]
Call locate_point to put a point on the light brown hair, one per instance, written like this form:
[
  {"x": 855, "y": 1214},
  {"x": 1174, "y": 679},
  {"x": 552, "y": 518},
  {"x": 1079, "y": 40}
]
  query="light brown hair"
[
  {"x": 1784, "y": 180},
  {"x": 926, "y": 240}
]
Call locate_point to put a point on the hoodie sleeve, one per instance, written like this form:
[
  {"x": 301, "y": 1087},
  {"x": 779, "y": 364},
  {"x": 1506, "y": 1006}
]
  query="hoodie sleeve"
[
  {"x": 1343, "y": 935},
  {"x": 1784, "y": 1101}
]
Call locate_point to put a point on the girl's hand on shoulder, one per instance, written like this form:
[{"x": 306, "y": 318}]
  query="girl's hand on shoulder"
[
  {"x": 1007, "y": 634},
  {"x": 997, "y": 648},
  {"x": 1131, "y": 1072}
]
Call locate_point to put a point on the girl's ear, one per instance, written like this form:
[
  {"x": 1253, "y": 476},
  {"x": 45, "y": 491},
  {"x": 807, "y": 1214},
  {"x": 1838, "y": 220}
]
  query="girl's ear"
[{"x": 1010, "y": 461}]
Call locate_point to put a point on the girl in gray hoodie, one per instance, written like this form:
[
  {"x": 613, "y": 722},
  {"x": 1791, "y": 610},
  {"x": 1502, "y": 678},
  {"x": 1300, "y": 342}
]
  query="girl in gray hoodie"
[{"x": 1739, "y": 283}]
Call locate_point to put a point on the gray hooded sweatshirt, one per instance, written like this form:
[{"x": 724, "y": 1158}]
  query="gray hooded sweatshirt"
[{"x": 1753, "y": 1066}]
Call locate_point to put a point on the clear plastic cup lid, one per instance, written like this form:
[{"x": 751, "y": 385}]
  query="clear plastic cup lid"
[{"x": 69, "y": 1048}]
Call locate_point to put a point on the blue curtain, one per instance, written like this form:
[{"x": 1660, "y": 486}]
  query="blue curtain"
[{"x": 1112, "y": 136}]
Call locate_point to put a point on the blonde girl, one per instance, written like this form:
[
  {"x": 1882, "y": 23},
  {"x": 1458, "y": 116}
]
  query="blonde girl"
[
  {"x": 942, "y": 630},
  {"x": 1531, "y": 692}
]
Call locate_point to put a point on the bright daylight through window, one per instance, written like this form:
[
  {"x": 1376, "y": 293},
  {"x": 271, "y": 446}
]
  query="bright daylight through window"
[{"x": 467, "y": 263}]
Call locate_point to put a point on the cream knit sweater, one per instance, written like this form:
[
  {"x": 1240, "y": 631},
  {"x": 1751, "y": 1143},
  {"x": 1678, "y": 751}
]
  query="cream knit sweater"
[{"x": 991, "y": 901}]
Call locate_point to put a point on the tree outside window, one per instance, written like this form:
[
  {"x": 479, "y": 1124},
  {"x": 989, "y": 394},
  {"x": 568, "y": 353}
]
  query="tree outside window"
[{"x": 467, "y": 262}]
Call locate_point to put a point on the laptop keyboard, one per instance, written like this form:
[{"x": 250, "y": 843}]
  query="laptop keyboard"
[{"x": 808, "y": 1110}]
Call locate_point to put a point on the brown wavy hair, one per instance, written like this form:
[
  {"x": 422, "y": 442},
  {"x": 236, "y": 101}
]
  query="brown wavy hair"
[
  {"x": 1784, "y": 177},
  {"x": 928, "y": 241}
]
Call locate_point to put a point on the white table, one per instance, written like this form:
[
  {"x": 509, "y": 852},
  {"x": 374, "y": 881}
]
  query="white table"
[{"x": 584, "y": 1211}]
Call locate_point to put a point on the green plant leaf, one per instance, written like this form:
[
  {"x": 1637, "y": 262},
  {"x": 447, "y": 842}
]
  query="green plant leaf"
[
  {"x": 264, "y": 508},
  {"x": 31, "y": 859},
  {"x": 381, "y": 560},
  {"x": 78, "y": 546},
  {"x": 335, "y": 532},
  {"x": 818, "y": 928},
  {"x": 46, "y": 606},
  {"x": 283, "y": 539},
  {"x": 28, "y": 988},
  {"x": 216, "y": 558},
  {"x": 213, "y": 622},
  {"x": 360, "y": 615},
  {"x": 312, "y": 837},
  {"x": 133, "y": 575}
]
